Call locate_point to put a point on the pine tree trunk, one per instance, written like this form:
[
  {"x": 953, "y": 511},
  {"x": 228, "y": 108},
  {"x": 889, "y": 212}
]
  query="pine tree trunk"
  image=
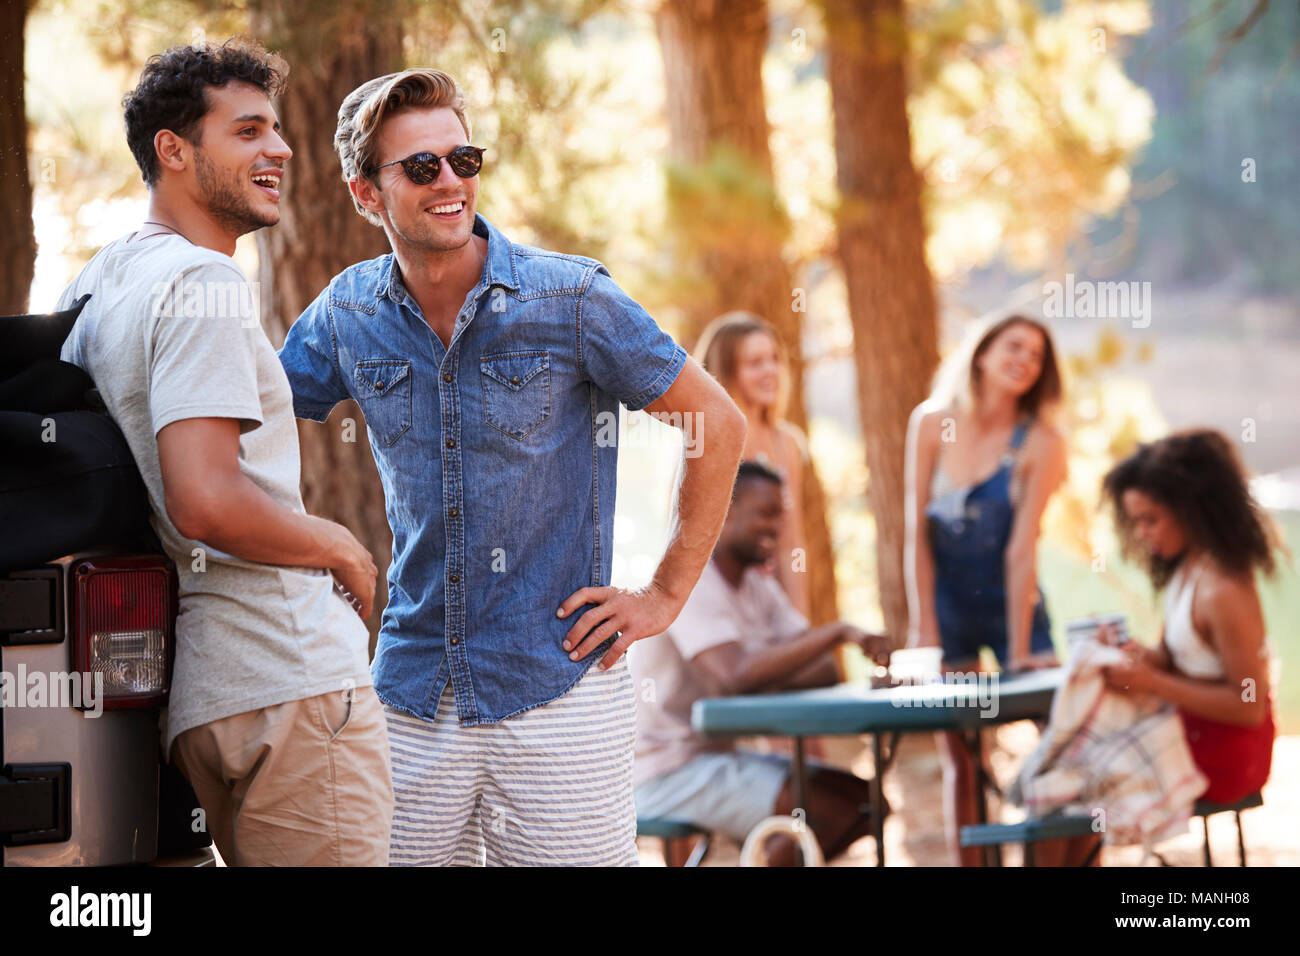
[
  {"x": 17, "y": 235},
  {"x": 882, "y": 251},
  {"x": 331, "y": 50},
  {"x": 712, "y": 54}
]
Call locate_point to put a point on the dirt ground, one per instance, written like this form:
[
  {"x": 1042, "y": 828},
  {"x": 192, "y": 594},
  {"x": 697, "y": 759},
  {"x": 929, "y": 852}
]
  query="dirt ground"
[{"x": 914, "y": 832}]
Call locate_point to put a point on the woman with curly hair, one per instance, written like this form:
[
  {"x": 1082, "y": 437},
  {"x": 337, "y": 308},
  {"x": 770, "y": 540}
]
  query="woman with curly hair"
[{"x": 1183, "y": 505}]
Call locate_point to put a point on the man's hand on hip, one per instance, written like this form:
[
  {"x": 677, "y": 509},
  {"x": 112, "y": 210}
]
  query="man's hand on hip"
[{"x": 634, "y": 615}]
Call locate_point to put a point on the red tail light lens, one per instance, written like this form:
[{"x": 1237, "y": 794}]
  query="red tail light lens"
[{"x": 123, "y": 624}]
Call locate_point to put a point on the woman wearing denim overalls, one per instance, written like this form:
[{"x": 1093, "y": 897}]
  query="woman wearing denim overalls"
[{"x": 983, "y": 459}]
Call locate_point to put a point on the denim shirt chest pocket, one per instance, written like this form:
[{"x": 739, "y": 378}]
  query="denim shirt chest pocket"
[
  {"x": 516, "y": 391},
  {"x": 383, "y": 390}
]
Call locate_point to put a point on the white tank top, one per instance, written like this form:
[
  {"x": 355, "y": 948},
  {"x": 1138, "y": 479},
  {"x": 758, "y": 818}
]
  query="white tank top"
[{"x": 1190, "y": 652}]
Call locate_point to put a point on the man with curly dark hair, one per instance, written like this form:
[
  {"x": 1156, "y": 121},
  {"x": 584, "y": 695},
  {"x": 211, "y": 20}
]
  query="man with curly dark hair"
[{"x": 272, "y": 715}]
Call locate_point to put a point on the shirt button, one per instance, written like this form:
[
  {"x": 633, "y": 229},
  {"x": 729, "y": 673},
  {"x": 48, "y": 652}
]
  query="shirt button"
[
  {"x": 453, "y": 512},
  {"x": 379, "y": 386},
  {"x": 514, "y": 379},
  {"x": 451, "y": 443},
  {"x": 446, "y": 378},
  {"x": 455, "y": 641},
  {"x": 454, "y": 579}
]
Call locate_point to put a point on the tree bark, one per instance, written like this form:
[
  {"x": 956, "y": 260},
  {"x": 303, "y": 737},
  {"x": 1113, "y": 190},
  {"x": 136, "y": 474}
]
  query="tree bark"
[
  {"x": 881, "y": 240},
  {"x": 728, "y": 225},
  {"x": 17, "y": 234},
  {"x": 713, "y": 56},
  {"x": 332, "y": 48}
]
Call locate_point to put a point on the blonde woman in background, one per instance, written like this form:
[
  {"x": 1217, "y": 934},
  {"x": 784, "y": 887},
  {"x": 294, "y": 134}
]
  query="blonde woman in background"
[
  {"x": 984, "y": 457},
  {"x": 745, "y": 354}
]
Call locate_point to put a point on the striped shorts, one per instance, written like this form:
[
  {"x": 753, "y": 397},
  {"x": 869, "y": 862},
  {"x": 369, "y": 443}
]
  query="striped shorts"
[{"x": 549, "y": 787}]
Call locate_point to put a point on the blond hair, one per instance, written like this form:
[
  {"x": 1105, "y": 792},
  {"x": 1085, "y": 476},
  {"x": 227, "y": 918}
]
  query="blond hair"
[{"x": 365, "y": 109}]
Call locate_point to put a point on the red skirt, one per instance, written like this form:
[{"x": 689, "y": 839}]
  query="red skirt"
[{"x": 1236, "y": 759}]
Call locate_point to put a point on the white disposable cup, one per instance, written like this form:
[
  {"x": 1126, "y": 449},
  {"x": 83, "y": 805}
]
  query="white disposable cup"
[{"x": 916, "y": 664}]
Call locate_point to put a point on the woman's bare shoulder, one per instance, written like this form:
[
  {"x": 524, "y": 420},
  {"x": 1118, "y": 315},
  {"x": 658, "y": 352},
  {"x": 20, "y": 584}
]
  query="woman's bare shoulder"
[
  {"x": 1227, "y": 602},
  {"x": 1219, "y": 586},
  {"x": 928, "y": 420},
  {"x": 1047, "y": 441},
  {"x": 794, "y": 440},
  {"x": 1049, "y": 431}
]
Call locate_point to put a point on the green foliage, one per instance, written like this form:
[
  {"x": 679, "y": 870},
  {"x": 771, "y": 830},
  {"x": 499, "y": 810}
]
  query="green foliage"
[
  {"x": 1023, "y": 124},
  {"x": 530, "y": 82},
  {"x": 1108, "y": 410},
  {"x": 725, "y": 202},
  {"x": 530, "y": 86},
  {"x": 87, "y": 187},
  {"x": 1202, "y": 222}
]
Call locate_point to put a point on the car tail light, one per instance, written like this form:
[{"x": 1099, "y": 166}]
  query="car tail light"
[{"x": 123, "y": 624}]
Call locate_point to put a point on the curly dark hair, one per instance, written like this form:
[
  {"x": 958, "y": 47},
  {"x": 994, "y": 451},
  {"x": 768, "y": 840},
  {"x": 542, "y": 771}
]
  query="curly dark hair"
[
  {"x": 1198, "y": 476},
  {"x": 171, "y": 92}
]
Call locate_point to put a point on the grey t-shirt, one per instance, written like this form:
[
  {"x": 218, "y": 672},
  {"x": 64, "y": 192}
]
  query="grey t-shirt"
[{"x": 170, "y": 333}]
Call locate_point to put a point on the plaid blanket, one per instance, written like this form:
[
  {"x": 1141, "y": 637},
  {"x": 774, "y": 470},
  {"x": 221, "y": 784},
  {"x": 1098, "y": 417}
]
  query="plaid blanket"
[{"x": 1120, "y": 758}]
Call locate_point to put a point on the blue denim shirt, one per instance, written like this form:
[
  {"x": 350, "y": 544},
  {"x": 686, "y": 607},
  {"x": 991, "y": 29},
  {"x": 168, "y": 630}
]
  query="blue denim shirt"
[{"x": 495, "y": 457}]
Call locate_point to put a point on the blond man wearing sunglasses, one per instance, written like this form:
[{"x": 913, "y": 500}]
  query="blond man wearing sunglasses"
[{"x": 490, "y": 375}]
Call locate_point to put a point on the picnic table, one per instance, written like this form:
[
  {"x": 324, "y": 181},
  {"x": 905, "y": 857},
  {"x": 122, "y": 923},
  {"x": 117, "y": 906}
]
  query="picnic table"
[{"x": 964, "y": 705}]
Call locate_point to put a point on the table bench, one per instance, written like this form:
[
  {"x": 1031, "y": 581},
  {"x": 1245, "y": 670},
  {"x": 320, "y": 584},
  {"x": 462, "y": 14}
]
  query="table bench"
[
  {"x": 1056, "y": 826},
  {"x": 666, "y": 830}
]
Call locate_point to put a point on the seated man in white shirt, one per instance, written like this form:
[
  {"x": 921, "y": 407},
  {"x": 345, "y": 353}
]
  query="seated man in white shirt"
[{"x": 738, "y": 633}]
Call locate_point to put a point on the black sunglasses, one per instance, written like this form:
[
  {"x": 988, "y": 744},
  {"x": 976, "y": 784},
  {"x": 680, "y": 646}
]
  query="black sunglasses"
[{"x": 423, "y": 168}]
